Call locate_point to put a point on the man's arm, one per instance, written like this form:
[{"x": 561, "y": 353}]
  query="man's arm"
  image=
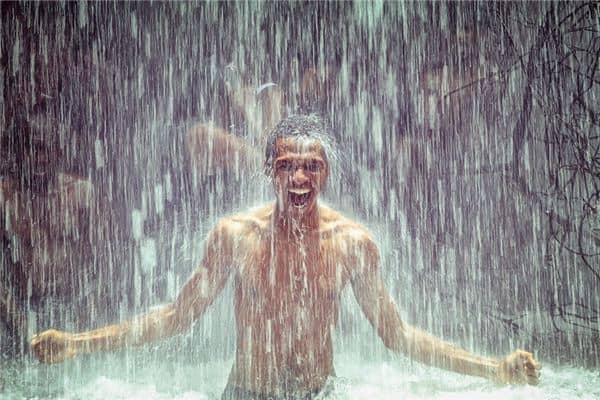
[
  {"x": 196, "y": 296},
  {"x": 382, "y": 313}
]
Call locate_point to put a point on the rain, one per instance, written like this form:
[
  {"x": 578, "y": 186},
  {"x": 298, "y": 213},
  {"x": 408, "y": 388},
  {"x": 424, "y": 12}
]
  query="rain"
[{"x": 464, "y": 137}]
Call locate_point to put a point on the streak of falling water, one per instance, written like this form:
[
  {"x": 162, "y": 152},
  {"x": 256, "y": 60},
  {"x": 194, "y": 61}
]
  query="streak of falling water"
[{"x": 466, "y": 139}]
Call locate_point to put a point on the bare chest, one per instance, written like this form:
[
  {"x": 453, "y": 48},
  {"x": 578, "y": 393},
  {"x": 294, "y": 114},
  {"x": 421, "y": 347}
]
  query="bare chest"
[{"x": 289, "y": 278}]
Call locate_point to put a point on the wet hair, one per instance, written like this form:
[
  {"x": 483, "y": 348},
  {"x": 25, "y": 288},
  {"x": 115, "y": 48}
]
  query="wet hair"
[{"x": 309, "y": 126}]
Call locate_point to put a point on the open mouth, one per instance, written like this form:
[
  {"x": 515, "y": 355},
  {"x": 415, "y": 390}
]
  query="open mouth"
[{"x": 299, "y": 197}]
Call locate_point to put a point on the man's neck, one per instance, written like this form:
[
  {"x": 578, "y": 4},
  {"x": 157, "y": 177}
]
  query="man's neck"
[{"x": 296, "y": 226}]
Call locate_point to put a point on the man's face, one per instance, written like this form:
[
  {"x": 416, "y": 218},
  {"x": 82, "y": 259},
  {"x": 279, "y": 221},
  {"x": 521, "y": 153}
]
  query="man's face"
[{"x": 299, "y": 172}]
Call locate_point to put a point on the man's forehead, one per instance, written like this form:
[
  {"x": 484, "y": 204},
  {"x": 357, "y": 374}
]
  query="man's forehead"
[{"x": 299, "y": 145}]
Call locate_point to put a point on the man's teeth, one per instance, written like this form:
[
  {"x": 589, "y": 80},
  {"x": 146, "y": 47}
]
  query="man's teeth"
[{"x": 299, "y": 191}]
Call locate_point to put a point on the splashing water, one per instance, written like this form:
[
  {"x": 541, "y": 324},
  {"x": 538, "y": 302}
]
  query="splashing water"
[
  {"x": 146, "y": 376},
  {"x": 465, "y": 136}
]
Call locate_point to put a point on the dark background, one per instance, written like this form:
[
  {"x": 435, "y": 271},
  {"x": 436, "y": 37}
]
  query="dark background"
[{"x": 467, "y": 139}]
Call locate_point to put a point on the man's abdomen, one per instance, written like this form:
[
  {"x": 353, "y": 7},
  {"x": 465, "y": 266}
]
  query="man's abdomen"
[{"x": 272, "y": 358}]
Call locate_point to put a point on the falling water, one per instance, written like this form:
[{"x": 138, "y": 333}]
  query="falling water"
[{"x": 465, "y": 138}]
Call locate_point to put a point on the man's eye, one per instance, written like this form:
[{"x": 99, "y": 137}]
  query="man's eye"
[
  {"x": 284, "y": 165},
  {"x": 313, "y": 166}
]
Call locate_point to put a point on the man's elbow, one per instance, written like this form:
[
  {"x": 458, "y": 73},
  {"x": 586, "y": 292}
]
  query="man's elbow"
[
  {"x": 159, "y": 324},
  {"x": 396, "y": 340},
  {"x": 176, "y": 321},
  {"x": 183, "y": 315}
]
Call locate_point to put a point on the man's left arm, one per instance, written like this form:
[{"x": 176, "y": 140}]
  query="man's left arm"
[{"x": 382, "y": 313}]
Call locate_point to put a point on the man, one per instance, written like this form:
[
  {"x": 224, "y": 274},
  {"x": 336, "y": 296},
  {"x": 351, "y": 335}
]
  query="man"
[
  {"x": 290, "y": 261},
  {"x": 44, "y": 211}
]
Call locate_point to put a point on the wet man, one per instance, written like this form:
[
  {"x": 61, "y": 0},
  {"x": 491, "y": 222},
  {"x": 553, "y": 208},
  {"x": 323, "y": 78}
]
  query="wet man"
[
  {"x": 44, "y": 212},
  {"x": 290, "y": 261}
]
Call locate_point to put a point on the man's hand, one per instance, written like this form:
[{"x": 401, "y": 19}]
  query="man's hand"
[
  {"x": 53, "y": 346},
  {"x": 520, "y": 367}
]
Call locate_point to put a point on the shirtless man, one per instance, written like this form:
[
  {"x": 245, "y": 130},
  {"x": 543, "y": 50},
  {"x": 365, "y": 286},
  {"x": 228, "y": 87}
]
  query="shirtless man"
[
  {"x": 44, "y": 211},
  {"x": 290, "y": 261}
]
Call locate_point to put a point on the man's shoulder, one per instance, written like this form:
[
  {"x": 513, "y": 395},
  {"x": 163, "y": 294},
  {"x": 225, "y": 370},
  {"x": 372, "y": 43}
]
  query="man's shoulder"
[
  {"x": 338, "y": 225},
  {"x": 251, "y": 220}
]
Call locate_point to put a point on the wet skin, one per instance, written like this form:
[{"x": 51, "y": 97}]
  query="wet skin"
[{"x": 290, "y": 262}]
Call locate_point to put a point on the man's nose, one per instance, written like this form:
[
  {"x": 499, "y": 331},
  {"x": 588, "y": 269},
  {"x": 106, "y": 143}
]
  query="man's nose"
[{"x": 299, "y": 177}]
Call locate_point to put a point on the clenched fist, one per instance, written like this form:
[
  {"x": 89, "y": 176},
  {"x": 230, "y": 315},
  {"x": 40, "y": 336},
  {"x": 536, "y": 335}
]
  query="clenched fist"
[
  {"x": 53, "y": 346},
  {"x": 520, "y": 367}
]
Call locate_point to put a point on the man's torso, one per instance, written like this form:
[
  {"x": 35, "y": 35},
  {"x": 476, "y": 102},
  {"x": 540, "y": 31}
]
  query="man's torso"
[{"x": 287, "y": 293}]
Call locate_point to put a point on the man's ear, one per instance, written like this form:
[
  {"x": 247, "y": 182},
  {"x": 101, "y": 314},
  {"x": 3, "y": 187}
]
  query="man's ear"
[{"x": 325, "y": 178}]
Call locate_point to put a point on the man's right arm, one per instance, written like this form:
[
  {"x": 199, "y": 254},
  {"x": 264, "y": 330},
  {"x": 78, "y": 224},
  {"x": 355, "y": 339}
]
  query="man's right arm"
[{"x": 196, "y": 296}]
